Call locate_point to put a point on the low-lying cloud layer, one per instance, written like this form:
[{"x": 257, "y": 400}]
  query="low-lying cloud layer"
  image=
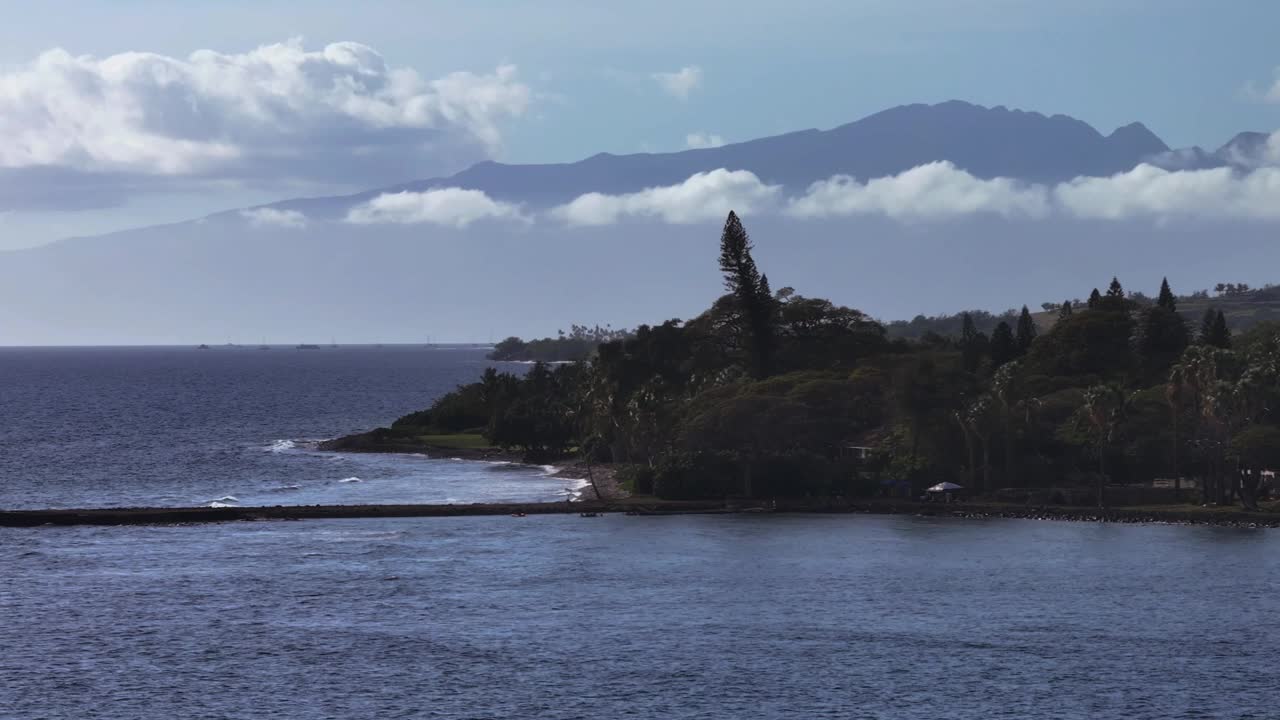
[
  {"x": 928, "y": 193},
  {"x": 703, "y": 196},
  {"x": 453, "y": 207},
  {"x": 278, "y": 113},
  {"x": 934, "y": 191},
  {"x": 699, "y": 140},
  {"x": 940, "y": 191},
  {"x": 273, "y": 217}
]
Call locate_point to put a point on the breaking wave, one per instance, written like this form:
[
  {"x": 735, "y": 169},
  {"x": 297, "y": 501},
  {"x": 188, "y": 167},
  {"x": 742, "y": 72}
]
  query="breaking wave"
[
  {"x": 282, "y": 446},
  {"x": 350, "y": 480}
]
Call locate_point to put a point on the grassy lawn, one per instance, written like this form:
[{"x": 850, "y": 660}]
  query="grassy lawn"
[{"x": 460, "y": 441}]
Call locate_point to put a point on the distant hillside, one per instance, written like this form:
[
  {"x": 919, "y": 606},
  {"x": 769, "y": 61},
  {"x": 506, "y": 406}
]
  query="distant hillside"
[{"x": 1242, "y": 310}]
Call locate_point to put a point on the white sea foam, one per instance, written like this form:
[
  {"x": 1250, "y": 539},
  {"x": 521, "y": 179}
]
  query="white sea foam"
[
  {"x": 216, "y": 504},
  {"x": 282, "y": 446},
  {"x": 575, "y": 491},
  {"x": 227, "y": 499},
  {"x": 350, "y": 480}
]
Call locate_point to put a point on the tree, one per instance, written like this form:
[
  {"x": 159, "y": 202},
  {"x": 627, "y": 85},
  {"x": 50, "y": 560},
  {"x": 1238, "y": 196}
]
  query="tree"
[
  {"x": 1115, "y": 290},
  {"x": 1219, "y": 334},
  {"x": 1104, "y": 408},
  {"x": 1206, "y": 326},
  {"x": 973, "y": 344},
  {"x": 1065, "y": 311},
  {"x": 1255, "y": 449},
  {"x": 1094, "y": 298},
  {"x": 1026, "y": 331},
  {"x": 751, "y": 291},
  {"x": 1161, "y": 336},
  {"x": 1166, "y": 299},
  {"x": 1003, "y": 345}
]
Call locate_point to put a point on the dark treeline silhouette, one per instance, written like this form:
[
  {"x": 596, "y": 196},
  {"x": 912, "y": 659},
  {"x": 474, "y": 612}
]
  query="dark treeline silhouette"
[
  {"x": 777, "y": 394},
  {"x": 577, "y": 344}
]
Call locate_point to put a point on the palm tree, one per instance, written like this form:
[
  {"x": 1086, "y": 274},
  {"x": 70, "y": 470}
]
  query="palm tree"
[{"x": 1104, "y": 407}]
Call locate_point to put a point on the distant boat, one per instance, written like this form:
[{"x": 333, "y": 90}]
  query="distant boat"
[
  {"x": 306, "y": 346},
  {"x": 203, "y": 347}
]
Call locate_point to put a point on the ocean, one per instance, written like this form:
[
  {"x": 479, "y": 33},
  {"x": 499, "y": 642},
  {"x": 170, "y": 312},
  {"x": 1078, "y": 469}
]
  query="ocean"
[
  {"x": 124, "y": 427},
  {"x": 555, "y": 617}
]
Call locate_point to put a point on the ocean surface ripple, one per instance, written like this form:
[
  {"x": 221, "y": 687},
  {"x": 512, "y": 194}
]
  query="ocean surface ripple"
[
  {"x": 120, "y": 427},
  {"x": 560, "y": 617}
]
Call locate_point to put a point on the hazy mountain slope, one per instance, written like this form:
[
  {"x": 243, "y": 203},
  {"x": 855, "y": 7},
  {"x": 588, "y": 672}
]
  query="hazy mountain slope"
[{"x": 988, "y": 142}]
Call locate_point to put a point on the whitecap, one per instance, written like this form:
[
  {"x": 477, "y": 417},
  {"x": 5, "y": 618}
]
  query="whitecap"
[
  {"x": 282, "y": 446},
  {"x": 216, "y": 504},
  {"x": 350, "y": 480},
  {"x": 227, "y": 499}
]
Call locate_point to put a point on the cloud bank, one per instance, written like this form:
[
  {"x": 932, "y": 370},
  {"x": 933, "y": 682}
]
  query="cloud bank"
[
  {"x": 699, "y": 140},
  {"x": 681, "y": 82},
  {"x": 272, "y": 217},
  {"x": 940, "y": 191},
  {"x": 1148, "y": 191},
  {"x": 704, "y": 196},
  {"x": 934, "y": 191},
  {"x": 453, "y": 207},
  {"x": 278, "y": 113}
]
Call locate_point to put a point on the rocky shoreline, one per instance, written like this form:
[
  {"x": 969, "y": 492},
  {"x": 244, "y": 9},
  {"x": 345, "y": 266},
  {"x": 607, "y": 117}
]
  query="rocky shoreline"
[
  {"x": 386, "y": 441},
  {"x": 1173, "y": 515}
]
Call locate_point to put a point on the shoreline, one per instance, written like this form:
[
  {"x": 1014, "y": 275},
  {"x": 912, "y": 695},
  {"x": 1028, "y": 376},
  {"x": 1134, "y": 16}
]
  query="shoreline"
[
  {"x": 1166, "y": 515},
  {"x": 566, "y": 469}
]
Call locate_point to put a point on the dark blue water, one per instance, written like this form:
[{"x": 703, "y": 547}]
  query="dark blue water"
[
  {"x": 654, "y": 618},
  {"x": 98, "y": 427}
]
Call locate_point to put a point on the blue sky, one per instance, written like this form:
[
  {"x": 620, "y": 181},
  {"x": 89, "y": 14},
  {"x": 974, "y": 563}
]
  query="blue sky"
[{"x": 1184, "y": 68}]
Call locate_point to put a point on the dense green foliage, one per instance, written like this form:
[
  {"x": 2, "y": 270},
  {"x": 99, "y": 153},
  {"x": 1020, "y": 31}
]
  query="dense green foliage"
[{"x": 772, "y": 394}]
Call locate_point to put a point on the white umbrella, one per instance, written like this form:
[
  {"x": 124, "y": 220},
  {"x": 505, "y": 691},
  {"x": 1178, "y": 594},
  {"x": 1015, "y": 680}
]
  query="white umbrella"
[{"x": 945, "y": 487}]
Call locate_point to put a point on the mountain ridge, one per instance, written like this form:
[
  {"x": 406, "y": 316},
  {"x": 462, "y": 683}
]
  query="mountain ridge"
[{"x": 987, "y": 142}]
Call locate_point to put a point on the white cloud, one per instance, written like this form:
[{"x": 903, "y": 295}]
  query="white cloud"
[
  {"x": 1152, "y": 192},
  {"x": 272, "y": 217},
  {"x": 1269, "y": 93},
  {"x": 940, "y": 191},
  {"x": 700, "y": 140},
  {"x": 680, "y": 83},
  {"x": 1248, "y": 154},
  {"x": 275, "y": 113},
  {"x": 934, "y": 191},
  {"x": 453, "y": 207},
  {"x": 703, "y": 196}
]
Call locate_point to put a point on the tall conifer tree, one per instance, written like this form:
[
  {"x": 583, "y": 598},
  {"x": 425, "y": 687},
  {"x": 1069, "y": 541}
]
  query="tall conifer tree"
[
  {"x": 1206, "y": 326},
  {"x": 1095, "y": 297},
  {"x": 970, "y": 343},
  {"x": 1166, "y": 299},
  {"x": 1115, "y": 290},
  {"x": 1026, "y": 331},
  {"x": 1064, "y": 312},
  {"x": 1003, "y": 345},
  {"x": 1220, "y": 334},
  {"x": 743, "y": 280}
]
